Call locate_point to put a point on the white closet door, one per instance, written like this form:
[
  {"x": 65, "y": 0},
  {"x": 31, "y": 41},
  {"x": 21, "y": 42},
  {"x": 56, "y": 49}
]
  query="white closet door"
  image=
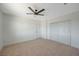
[
  {"x": 64, "y": 32},
  {"x": 75, "y": 33},
  {"x": 53, "y": 32},
  {"x": 37, "y": 31},
  {"x": 60, "y": 32},
  {"x": 68, "y": 32}
]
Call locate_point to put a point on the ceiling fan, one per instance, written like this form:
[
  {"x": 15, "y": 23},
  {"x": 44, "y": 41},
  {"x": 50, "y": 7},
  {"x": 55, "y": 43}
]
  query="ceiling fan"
[{"x": 36, "y": 12}]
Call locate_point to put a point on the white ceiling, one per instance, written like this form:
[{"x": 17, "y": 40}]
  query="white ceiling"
[{"x": 52, "y": 10}]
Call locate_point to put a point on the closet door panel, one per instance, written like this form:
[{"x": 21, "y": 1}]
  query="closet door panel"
[
  {"x": 75, "y": 33},
  {"x": 53, "y": 32},
  {"x": 64, "y": 32},
  {"x": 60, "y": 32},
  {"x": 68, "y": 32}
]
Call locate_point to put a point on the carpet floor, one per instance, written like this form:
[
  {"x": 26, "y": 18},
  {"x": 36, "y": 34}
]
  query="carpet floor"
[{"x": 39, "y": 47}]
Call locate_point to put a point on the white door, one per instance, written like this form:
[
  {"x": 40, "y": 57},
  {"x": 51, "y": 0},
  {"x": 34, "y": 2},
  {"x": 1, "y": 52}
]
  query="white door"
[
  {"x": 60, "y": 31},
  {"x": 54, "y": 32},
  {"x": 64, "y": 32},
  {"x": 75, "y": 33}
]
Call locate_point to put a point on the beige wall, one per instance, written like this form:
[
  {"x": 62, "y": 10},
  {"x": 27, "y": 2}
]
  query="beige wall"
[{"x": 19, "y": 29}]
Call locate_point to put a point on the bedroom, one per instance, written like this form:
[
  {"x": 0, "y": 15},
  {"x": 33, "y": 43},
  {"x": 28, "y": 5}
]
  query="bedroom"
[{"x": 25, "y": 31}]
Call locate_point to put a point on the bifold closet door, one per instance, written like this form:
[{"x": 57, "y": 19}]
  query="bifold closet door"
[
  {"x": 60, "y": 32},
  {"x": 53, "y": 32}
]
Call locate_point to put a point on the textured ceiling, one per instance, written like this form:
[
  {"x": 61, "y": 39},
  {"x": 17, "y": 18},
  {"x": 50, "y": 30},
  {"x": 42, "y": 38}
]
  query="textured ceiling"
[{"x": 52, "y": 10}]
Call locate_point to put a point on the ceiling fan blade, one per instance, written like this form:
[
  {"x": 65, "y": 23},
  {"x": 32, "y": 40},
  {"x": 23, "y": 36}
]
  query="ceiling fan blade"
[
  {"x": 29, "y": 13},
  {"x": 40, "y": 11},
  {"x": 31, "y": 9},
  {"x": 41, "y": 14}
]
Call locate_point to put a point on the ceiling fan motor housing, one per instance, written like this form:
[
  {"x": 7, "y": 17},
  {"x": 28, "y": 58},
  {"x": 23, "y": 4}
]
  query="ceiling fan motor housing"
[{"x": 36, "y": 10}]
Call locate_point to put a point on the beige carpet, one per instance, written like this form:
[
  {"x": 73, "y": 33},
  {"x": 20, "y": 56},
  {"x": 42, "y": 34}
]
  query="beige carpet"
[{"x": 39, "y": 47}]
